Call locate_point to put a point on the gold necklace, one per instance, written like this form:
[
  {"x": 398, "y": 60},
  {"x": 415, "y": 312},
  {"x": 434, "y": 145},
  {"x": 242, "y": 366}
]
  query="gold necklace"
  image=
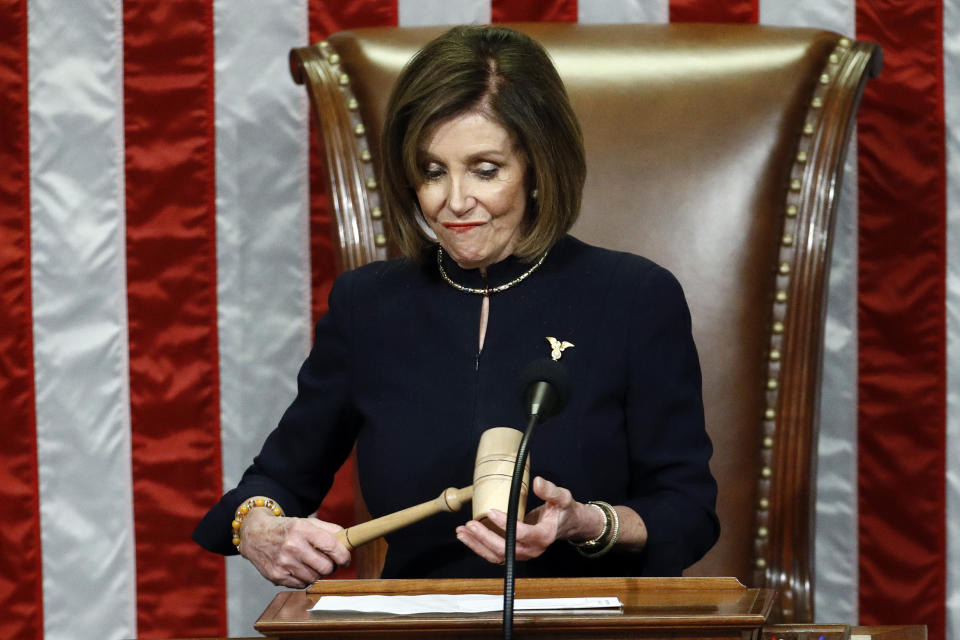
[{"x": 487, "y": 291}]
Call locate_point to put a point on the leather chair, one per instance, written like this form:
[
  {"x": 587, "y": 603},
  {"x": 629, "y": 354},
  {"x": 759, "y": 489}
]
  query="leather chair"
[{"x": 715, "y": 150}]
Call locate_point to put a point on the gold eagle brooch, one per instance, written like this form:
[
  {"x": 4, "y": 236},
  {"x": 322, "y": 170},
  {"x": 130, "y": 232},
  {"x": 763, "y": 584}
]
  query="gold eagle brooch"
[{"x": 557, "y": 347}]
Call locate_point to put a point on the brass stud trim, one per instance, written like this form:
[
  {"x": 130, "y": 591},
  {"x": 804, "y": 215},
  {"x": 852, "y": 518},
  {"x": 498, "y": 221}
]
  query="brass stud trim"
[
  {"x": 761, "y": 563},
  {"x": 778, "y": 327},
  {"x": 352, "y": 104},
  {"x": 365, "y": 155},
  {"x": 344, "y": 79},
  {"x": 762, "y": 532},
  {"x": 834, "y": 58},
  {"x": 766, "y": 472},
  {"x": 795, "y": 184},
  {"x": 808, "y": 128},
  {"x": 360, "y": 129},
  {"x": 824, "y": 78},
  {"x": 380, "y": 240},
  {"x": 768, "y": 443},
  {"x": 764, "y": 504},
  {"x": 781, "y": 297},
  {"x": 775, "y": 355},
  {"x": 376, "y": 213},
  {"x": 787, "y": 240},
  {"x": 844, "y": 42},
  {"x": 791, "y": 211},
  {"x": 769, "y": 414},
  {"x": 817, "y": 102},
  {"x": 323, "y": 44},
  {"x": 772, "y": 384},
  {"x": 784, "y": 268},
  {"x": 334, "y": 58},
  {"x": 802, "y": 157},
  {"x": 371, "y": 183}
]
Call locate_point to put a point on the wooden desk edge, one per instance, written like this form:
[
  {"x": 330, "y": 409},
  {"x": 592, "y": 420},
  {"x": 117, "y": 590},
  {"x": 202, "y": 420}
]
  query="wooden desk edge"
[
  {"x": 495, "y": 585},
  {"x": 288, "y": 613}
]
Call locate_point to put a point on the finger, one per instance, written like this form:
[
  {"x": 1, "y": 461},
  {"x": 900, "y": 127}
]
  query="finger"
[
  {"x": 299, "y": 554},
  {"x": 321, "y": 537},
  {"x": 534, "y": 529},
  {"x": 301, "y": 576},
  {"x": 483, "y": 541},
  {"x": 282, "y": 579},
  {"x": 291, "y": 582},
  {"x": 549, "y": 492},
  {"x": 318, "y": 563},
  {"x": 478, "y": 547},
  {"x": 542, "y": 487},
  {"x": 285, "y": 575},
  {"x": 531, "y": 539}
]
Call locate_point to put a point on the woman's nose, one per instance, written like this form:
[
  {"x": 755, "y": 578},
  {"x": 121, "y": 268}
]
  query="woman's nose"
[{"x": 459, "y": 199}]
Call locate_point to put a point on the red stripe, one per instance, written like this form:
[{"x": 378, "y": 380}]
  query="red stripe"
[
  {"x": 172, "y": 306},
  {"x": 533, "y": 11},
  {"x": 21, "y": 568},
  {"x": 328, "y": 17},
  {"x": 744, "y": 11},
  {"x": 902, "y": 320}
]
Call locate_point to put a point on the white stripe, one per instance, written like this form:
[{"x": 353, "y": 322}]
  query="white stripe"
[
  {"x": 416, "y": 13},
  {"x": 835, "y": 547},
  {"x": 951, "y": 71},
  {"x": 79, "y": 312},
  {"x": 835, "y": 15},
  {"x": 617, "y": 11},
  {"x": 263, "y": 264}
]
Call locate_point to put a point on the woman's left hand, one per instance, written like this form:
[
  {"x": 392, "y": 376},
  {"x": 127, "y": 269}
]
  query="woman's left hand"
[{"x": 559, "y": 518}]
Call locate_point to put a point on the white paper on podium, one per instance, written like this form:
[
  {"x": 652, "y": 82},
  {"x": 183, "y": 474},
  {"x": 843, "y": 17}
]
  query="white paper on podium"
[{"x": 459, "y": 603}]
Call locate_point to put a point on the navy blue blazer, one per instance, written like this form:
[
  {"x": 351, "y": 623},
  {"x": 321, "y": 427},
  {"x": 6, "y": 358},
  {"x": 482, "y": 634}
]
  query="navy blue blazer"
[{"x": 395, "y": 369}]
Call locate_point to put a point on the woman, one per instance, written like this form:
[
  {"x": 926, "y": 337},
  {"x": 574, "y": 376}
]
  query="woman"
[{"x": 483, "y": 170}]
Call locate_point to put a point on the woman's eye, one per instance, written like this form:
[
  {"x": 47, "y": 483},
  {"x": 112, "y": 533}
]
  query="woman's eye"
[
  {"x": 432, "y": 172},
  {"x": 487, "y": 172}
]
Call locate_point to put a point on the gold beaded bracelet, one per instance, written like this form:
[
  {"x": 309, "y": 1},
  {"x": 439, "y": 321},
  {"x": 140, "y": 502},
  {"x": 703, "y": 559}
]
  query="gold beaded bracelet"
[
  {"x": 246, "y": 507},
  {"x": 608, "y": 538}
]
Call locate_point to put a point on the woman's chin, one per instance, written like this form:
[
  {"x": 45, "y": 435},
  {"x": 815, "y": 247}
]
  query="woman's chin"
[{"x": 467, "y": 257}]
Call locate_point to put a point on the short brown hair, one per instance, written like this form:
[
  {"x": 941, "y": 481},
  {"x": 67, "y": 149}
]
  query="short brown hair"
[{"x": 509, "y": 77}]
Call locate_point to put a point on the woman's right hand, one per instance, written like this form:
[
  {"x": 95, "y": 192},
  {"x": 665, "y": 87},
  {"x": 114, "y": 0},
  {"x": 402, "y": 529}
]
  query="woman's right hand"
[{"x": 291, "y": 552}]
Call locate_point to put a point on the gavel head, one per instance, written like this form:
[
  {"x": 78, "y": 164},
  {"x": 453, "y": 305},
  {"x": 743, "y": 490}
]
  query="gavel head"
[{"x": 496, "y": 458}]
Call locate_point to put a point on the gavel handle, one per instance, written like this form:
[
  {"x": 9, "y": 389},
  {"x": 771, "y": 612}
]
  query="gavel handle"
[{"x": 450, "y": 500}]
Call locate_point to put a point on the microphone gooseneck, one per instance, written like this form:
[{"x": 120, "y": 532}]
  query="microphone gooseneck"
[
  {"x": 545, "y": 391},
  {"x": 545, "y": 388}
]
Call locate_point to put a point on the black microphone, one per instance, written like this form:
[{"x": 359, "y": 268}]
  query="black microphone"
[{"x": 545, "y": 390}]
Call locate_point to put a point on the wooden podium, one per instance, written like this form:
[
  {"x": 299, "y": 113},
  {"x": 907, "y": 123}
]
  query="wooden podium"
[{"x": 676, "y": 608}]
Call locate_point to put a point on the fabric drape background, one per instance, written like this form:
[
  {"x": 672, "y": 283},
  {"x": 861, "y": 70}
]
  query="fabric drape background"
[{"x": 164, "y": 251}]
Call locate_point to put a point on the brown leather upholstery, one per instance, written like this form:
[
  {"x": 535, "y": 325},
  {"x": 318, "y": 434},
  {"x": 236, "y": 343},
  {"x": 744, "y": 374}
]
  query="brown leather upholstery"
[{"x": 715, "y": 150}]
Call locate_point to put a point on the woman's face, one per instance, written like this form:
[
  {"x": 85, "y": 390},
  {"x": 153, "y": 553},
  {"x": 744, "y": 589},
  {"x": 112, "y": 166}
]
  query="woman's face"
[{"x": 473, "y": 192}]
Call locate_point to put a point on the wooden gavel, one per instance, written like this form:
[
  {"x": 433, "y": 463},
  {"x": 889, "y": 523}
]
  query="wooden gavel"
[{"x": 496, "y": 456}]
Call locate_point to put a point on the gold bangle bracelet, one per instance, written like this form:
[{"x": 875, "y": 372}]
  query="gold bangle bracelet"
[
  {"x": 595, "y": 542},
  {"x": 612, "y": 532}
]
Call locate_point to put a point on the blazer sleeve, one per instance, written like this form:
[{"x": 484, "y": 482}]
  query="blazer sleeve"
[
  {"x": 299, "y": 458},
  {"x": 671, "y": 486}
]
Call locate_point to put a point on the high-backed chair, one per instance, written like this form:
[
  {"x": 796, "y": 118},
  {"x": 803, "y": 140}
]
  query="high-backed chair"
[{"x": 715, "y": 150}]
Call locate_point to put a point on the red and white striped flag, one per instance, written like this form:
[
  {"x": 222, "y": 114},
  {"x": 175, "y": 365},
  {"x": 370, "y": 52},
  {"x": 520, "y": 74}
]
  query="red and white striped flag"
[{"x": 160, "y": 270}]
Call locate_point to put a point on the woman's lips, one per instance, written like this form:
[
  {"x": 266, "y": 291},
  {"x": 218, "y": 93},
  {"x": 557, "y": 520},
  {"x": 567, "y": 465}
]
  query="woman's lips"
[{"x": 462, "y": 227}]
